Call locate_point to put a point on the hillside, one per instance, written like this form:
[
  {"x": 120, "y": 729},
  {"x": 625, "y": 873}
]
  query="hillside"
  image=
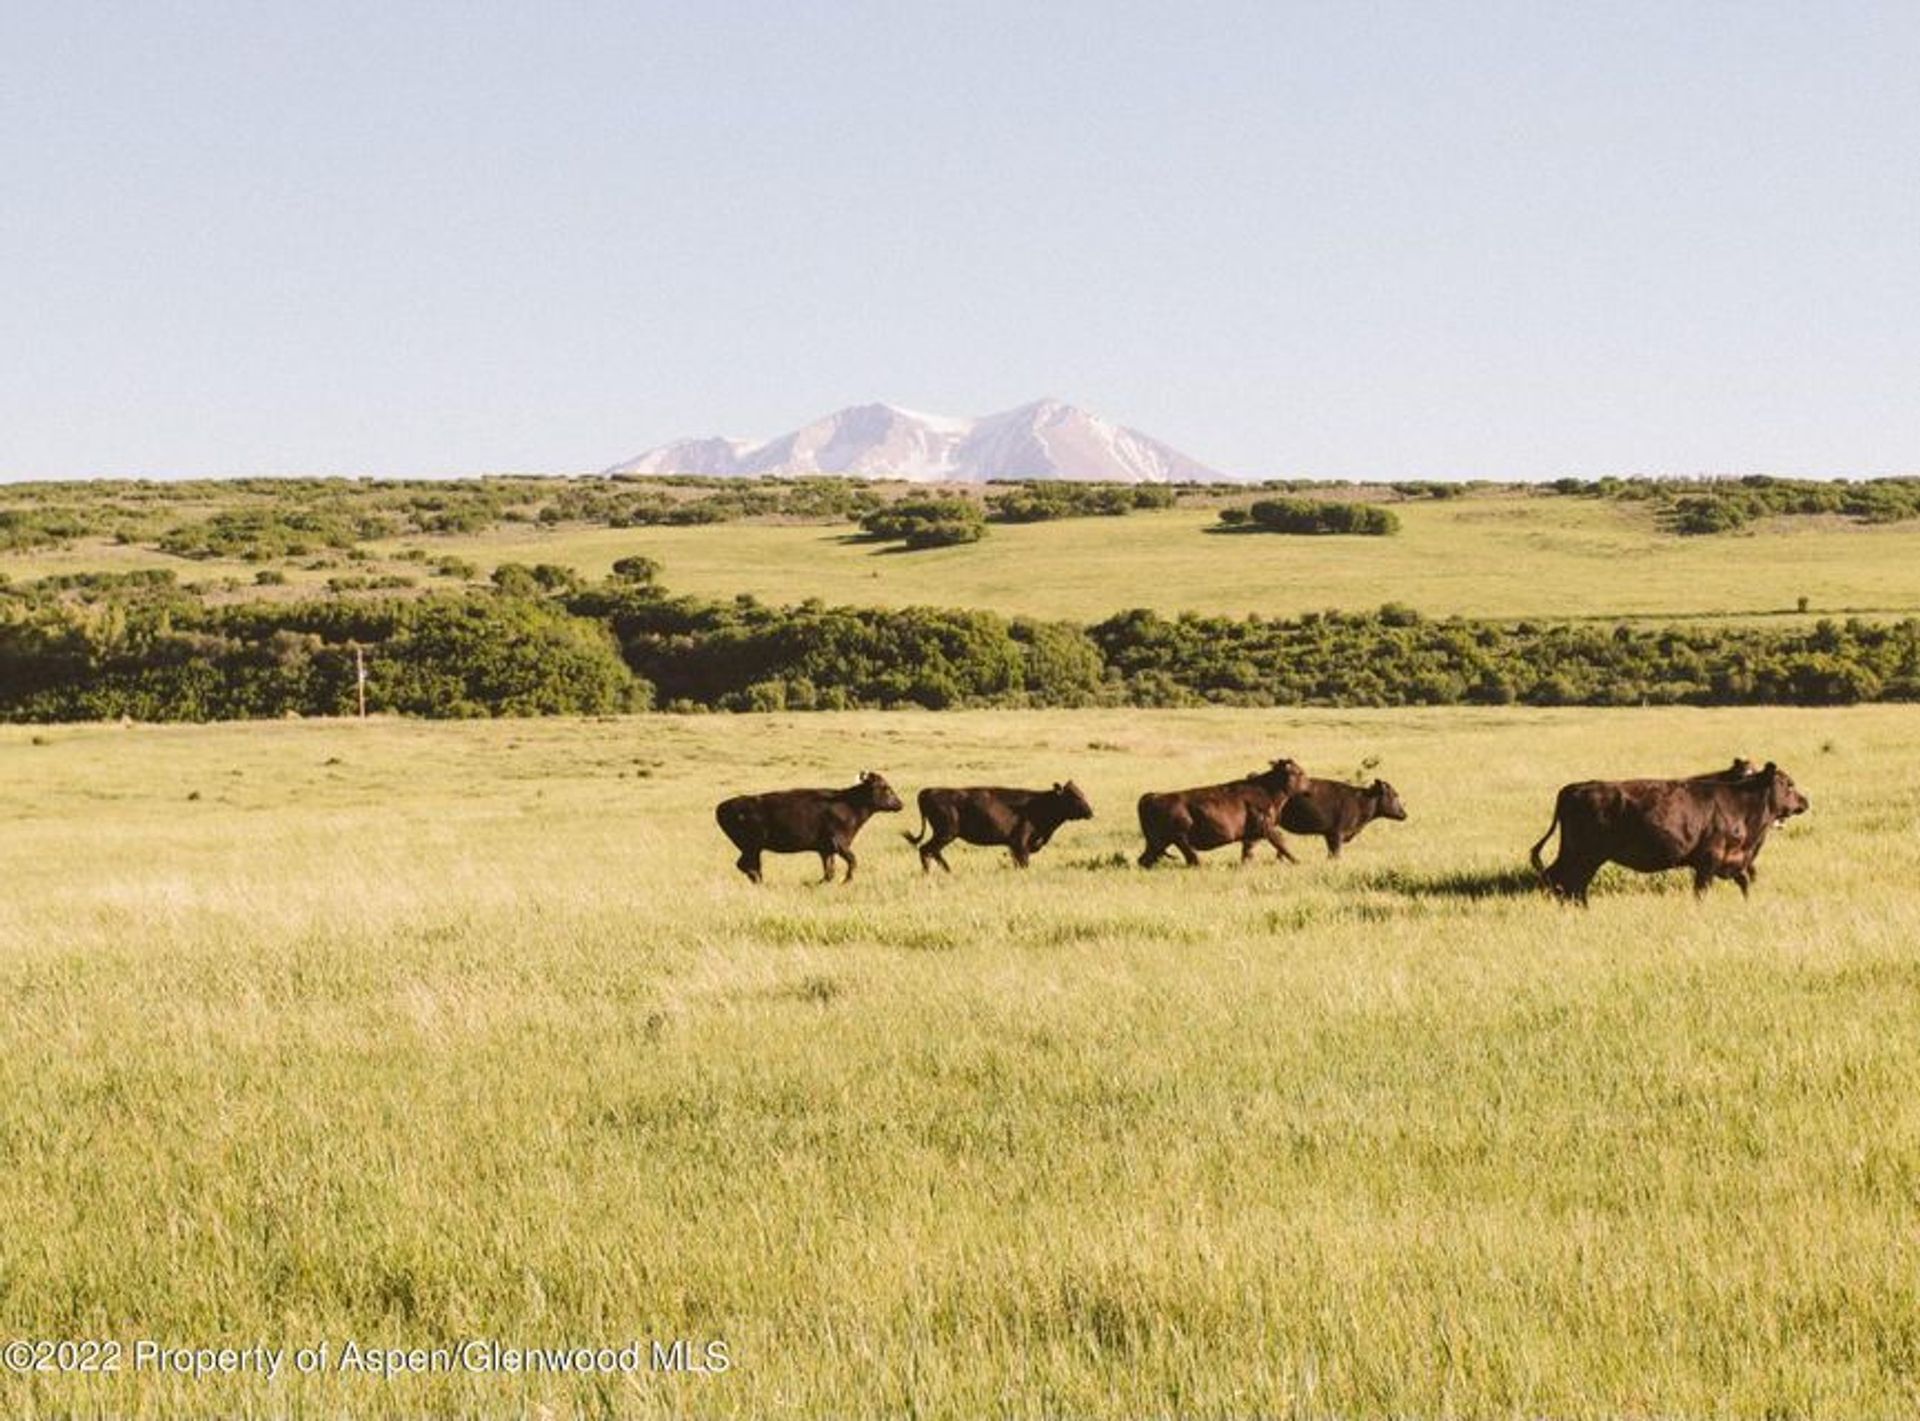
[
  {"x": 1494, "y": 552},
  {"x": 1505, "y": 556}
]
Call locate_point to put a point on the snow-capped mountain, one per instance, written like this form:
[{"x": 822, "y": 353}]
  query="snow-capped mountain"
[{"x": 1043, "y": 440}]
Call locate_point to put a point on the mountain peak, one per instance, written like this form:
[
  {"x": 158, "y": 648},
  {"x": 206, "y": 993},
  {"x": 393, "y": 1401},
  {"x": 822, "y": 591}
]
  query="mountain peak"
[{"x": 1046, "y": 439}]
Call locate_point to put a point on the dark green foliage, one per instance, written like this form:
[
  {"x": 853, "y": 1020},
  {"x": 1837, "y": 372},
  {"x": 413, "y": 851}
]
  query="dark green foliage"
[
  {"x": 743, "y": 655},
  {"x": 23, "y": 528},
  {"x": 1312, "y": 516},
  {"x": 617, "y": 503},
  {"x": 1705, "y": 506},
  {"x": 260, "y": 533},
  {"x": 927, "y": 522},
  {"x": 475, "y": 656},
  {"x": 99, "y": 645},
  {"x": 164, "y": 656},
  {"x": 1429, "y": 488},
  {"x": 518, "y": 580},
  {"x": 1395, "y": 657},
  {"x": 643, "y": 571},
  {"x": 1040, "y": 502}
]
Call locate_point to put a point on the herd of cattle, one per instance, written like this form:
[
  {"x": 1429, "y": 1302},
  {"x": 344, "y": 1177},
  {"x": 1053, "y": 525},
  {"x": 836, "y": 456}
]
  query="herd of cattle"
[{"x": 1713, "y": 824}]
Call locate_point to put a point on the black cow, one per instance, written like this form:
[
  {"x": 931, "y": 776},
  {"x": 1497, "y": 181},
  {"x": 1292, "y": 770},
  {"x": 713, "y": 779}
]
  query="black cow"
[
  {"x": 801, "y": 821},
  {"x": 1336, "y": 811},
  {"x": 1715, "y": 827},
  {"x": 1242, "y": 812},
  {"x": 1022, "y": 819}
]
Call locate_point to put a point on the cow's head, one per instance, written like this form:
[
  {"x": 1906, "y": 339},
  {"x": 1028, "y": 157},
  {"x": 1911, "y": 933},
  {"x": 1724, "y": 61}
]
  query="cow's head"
[
  {"x": 1073, "y": 803},
  {"x": 876, "y": 793},
  {"x": 1283, "y": 776},
  {"x": 1386, "y": 801},
  {"x": 1783, "y": 795}
]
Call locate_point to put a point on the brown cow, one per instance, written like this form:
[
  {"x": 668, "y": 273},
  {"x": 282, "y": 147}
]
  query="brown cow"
[
  {"x": 801, "y": 821},
  {"x": 1736, "y": 861},
  {"x": 1336, "y": 811},
  {"x": 1738, "y": 770},
  {"x": 1714, "y": 827},
  {"x": 1022, "y": 819},
  {"x": 1242, "y": 812}
]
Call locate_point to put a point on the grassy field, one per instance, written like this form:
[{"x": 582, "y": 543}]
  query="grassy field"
[
  {"x": 412, "y": 1033},
  {"x": 1498, "y": 554},
  {"x": 1494, "y": 556}
]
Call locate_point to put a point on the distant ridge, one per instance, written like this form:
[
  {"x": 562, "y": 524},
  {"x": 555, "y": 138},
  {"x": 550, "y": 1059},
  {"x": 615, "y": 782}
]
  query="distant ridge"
[{"x": 1043, "y": 440}]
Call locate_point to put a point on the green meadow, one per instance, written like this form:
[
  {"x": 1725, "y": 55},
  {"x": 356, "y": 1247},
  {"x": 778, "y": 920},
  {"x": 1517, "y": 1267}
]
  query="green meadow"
[
  {"x": 1496, "y": 555},
  {"x": 413, "y": 1033},
  {"x": 1499, "y": 553}
]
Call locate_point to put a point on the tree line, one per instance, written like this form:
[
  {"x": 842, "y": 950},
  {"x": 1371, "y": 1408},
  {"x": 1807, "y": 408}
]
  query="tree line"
[
  {"x": 1703, "y": 506},
  {"x": 541, "y": 641}
]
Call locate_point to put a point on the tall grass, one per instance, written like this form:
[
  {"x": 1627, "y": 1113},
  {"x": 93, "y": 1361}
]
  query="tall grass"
[{"x": 414, "y": 1033}]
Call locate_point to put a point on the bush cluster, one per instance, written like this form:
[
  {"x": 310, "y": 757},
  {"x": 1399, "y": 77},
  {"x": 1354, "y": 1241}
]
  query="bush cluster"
[
  {"x": 1395, "y": 657},
  {"x": 42, "y": 527},
  {"x": 1705, "y": 506},
  {"x": 1312, "y": 516},
  {"x": 927, "y": 522},
  {"x": 668, "y": 503},
  {"x": 1040, "y": 502},
  {"x": 539, "y": 641},
  {"x": 264, "y": 532},
  {"x": 170, "y": 658}
]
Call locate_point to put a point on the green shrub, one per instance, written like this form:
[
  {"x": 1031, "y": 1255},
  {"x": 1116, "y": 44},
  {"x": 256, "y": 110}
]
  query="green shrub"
[
  {"x": 1309, "y": 516},
  {"x": 1041, "y": 501},
  {"x": 927, "y": 522}
]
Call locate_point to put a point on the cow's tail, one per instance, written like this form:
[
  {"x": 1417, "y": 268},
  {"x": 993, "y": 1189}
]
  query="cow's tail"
[
  {"x": 1539, "y": 866},
  {"x": 916, "y": 838}
]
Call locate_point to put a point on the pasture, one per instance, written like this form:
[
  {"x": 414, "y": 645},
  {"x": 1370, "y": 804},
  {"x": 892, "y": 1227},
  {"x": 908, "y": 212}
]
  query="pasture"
[
  {"x": 1500, "y": 553},
  {"x": 1503, "y": 554},
  {"x": 410, "y": 1033}
]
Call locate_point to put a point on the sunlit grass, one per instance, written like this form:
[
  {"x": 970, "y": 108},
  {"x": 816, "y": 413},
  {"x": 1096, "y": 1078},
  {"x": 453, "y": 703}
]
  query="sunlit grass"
[
  {"x": 1509, "y": 555},
  {"x": 412, "y": 1033}
]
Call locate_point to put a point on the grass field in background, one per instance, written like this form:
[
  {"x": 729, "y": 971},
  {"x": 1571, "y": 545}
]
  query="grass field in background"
[
  {"x": 1495, "y": 556},
  {"x": 1504, "y": 554},
  {"x": 411, "y": 1033}
]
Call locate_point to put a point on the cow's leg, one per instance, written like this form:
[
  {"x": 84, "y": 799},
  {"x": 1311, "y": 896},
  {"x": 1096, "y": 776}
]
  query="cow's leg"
[
  {"x": 935, "y": 846},
  {"x": 1187, "y": 853},
  {"x": 749, "y": 864},
  {"x": 1566, "y": 880},
  {"x": 847, "y": 854},
  {"x": 1703, "y": 876},
  {"x": 1280, "y": 845},
  {"x": 1151, "y": 854},
  {"x": 1578, "y": 876},
  {"x": 1334, "y": 841},
  {"x": 826, "y": 865},
  {"x": 1020, "y": 847}
]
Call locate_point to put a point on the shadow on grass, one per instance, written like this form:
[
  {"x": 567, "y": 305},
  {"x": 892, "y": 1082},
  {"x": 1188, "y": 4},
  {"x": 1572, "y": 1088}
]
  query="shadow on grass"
[
  {"x": 880, "y": 547},
  {"x": 1099, "y": 863},
  {"x": 1472, "y": 883}
]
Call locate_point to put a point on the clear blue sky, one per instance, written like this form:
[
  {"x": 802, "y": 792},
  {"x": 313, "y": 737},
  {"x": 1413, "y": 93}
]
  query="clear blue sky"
[{"x": 1341, "y": 239}]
